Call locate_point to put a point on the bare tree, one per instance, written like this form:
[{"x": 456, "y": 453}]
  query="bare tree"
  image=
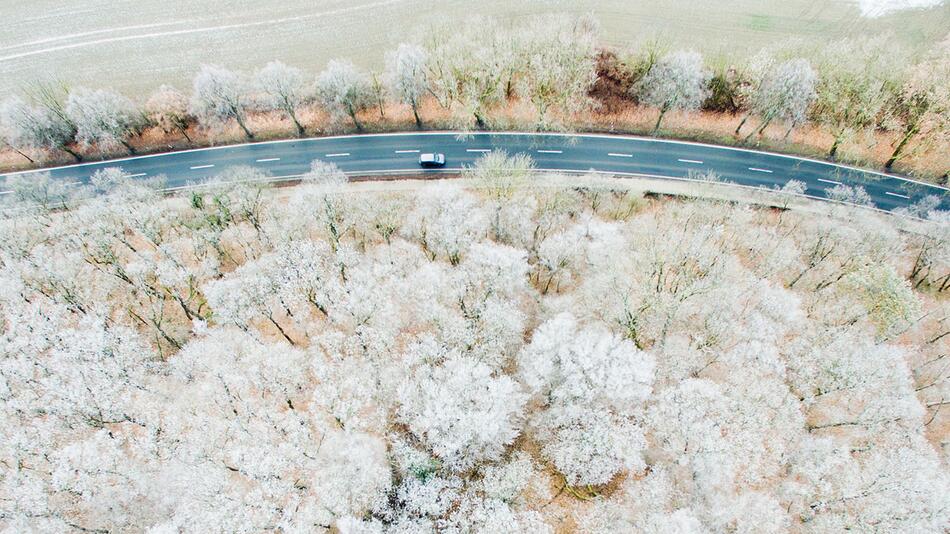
[
  {"x": 103, "y": 118},
  {"x": 473, "y": 69},
  {"x": 167, "y": 108},
  {"x": 560, "y": 66},
  {"x": 855, "y": 80},
  {"x": 923, "y": 103},
  {"x": 785, "y": 94},
  {"x": 405, "y": 76},
  {"x": 677, "y": 81},
  {"x": 344, "y": 90},
  {"x": 283, "y": 88},
  {"x": 28, "y": 127},
  {"x": 220, "y": 95}
]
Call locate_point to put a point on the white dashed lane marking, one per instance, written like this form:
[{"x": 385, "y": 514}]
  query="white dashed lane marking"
[
  {"x": 5, "y": 192},
  {"x": 756, "y": 169},
  {"x": 73, "y": 183},
  {"x": 264, "y": 160},
  {"x": 337, "y": 155},
  {"x": 196, "y": 167},
  {"x": 619, "y": 155},
  {"x": 136, "y": 175},
  {"x": 829, "y": 181},
  {"x": 896, "y": 195},
  {"x": 696, "y": 161},
  {"x": 478, "y": 150},
  {"x": 550, "y": 151},
  {"x": 406, "y": 151}
]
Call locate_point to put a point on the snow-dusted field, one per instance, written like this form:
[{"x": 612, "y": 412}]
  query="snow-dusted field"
[{"x": 136, "y": 46}]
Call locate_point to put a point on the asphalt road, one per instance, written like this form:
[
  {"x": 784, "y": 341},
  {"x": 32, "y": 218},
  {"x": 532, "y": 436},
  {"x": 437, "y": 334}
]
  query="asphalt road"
[{"x": 381, "y": 153}]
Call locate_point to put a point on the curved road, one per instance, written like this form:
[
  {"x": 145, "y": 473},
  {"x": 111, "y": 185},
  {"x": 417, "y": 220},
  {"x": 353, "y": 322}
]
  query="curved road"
[{"x": 623, "y": 155}]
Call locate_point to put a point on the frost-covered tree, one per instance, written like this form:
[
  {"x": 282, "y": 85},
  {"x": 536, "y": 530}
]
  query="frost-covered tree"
[
  {"x": 282, "y": 88},
  {"x": 167, "y": 108},
  {"x": 354, "y": 474},
  {"x": 923, "y": 103},
  {"x": 591, "y": 381},
  {"x": 852, "y": 194},
  {"x": 471, "y": 68},
  {"x": 446, "y": 221},
  {"x": 678, "y": 81},
  {"x": 855, "y": 82},
  {"x": 568, "y": 364},
  {"x": 27, "y": 127},
  {"x": 785, "y": 94},
  {"x": 220, "y": 95},
  {"x": 560, "y": 67},
  {"x": 344, "y": 90},
  {"x": 103, "y": 118},
  {"x": 406, "y": 77},
  {"x": 462, "y": 413}
]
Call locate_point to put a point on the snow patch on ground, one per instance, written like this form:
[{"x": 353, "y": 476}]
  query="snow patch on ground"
[{"x": 878, "y": 8}]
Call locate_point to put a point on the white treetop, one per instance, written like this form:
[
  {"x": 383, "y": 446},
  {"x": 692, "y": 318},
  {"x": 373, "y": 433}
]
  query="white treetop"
[
  {"x": 678, "y": 81},
  {"x": 26, "y": 127},
  {"x": 344, "y": 90},
  {"x": 220, "y": 95},
  {"x": 567, "y": 364},
  {"x": 103, "y": 118},
  {"x": 406, "y": 76},
  {"x": 463, "y": 413},
  {"x": 282, "y": 88},
  {"x": 167, "y": 108},
  {"x": 786, "y": 93}
]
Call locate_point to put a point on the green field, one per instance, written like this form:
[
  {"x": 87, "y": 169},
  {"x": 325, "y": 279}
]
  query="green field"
[{"x": 134, "y": 46}]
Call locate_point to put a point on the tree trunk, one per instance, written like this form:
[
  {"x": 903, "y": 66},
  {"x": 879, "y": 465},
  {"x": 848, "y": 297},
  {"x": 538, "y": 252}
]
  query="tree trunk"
[
  {"x": 765, "y": 124},
  {"x": 834, "y": 147},
  {"x": 415, "y": 113},
  {"x": 900, "y": 147},
  {"x": 359, "y": 127},
  {"x": 28, "y": 158},
  {"x": 240, "y": 121},
  {"x": 479, "y": 121},
  {"x": 72, "y": 153},
  {"x": 788, "y": 132},
  {"x": 127, "y": 146},
  {"x": 293, "y": 117},
  {"x": 659, "y": 119},
  {"x": 742, "y": 123},
  {"x": 184, "y": 132}
]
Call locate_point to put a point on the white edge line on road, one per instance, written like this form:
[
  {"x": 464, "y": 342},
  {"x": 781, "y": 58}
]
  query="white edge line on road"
[
  {"x": 264, "y": 160},
  {"x": 756, "y": 169},
  {"x": 406, "y": 151},
  {"x": 336, "y": 155},
  {"x": 896, "y": 195},
  {"x": 456, "y": 134},
  {"x": 201, "y": 167},
  {"x": 698, "y": 162},
  {"x": 619, "y": 155},
  {"x": 550, "y": 151},
  {"x": 829, "y": 181},
  {"x": 478, "y": 150}
]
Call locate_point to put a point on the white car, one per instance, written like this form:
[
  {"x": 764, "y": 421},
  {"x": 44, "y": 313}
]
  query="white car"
[{"x": 430, "y": 159}]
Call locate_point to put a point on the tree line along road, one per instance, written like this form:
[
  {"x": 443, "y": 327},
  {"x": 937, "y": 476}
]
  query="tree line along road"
[{"x": 398, "y": 152}]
